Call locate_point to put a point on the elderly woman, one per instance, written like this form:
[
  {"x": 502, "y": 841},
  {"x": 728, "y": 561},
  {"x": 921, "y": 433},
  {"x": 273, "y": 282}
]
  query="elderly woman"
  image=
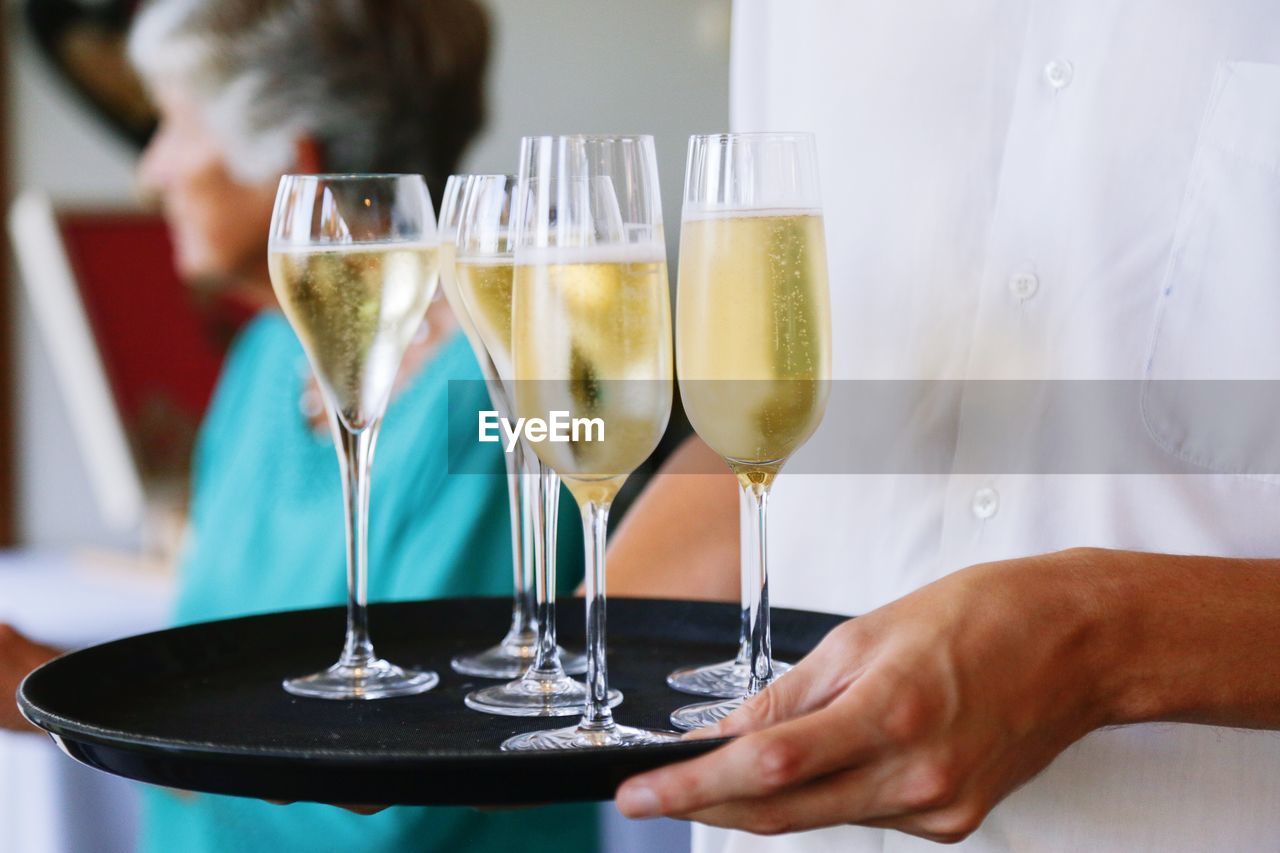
[{"x": 248, "y": 90}]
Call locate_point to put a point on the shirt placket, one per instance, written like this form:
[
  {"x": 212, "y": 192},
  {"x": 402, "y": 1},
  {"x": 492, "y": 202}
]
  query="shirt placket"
[{"x": 1018, "y": 289}]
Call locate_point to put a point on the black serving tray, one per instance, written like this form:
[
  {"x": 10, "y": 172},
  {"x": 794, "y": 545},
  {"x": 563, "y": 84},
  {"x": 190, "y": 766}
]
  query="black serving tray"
[{"x": 201, "y": 707}]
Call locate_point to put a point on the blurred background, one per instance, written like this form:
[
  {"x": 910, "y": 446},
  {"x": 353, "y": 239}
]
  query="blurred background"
[{"x": 107, "y": 361}]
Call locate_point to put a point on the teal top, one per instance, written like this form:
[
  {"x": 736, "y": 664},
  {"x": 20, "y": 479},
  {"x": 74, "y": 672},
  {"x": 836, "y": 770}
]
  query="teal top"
[{"x": 267, "y": 534}]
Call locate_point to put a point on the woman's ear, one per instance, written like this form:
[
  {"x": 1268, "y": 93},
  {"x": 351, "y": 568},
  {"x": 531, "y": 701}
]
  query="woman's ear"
[{"x": 308, "y": 156}]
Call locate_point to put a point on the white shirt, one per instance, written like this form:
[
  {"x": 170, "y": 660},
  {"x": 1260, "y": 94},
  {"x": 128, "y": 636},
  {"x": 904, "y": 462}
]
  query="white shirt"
[{"x": 1024, "y": 189}]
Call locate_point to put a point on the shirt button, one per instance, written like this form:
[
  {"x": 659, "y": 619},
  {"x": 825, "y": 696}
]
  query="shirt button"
[
  {"x": 1024, "y": 285},
  {"x": 1059, "y": 73},
  {"x": 985, "y": 503}
]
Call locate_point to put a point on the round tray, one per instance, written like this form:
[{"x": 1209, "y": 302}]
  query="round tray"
[{"x": 201, "y": 707}]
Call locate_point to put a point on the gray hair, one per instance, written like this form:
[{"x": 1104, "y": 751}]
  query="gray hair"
[{"x": 382, "y": 85}]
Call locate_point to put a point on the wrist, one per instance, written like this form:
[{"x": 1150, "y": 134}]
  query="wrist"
[
  {"x": 1106, "y": 625},
  {"x": 1129, "y": 622},
  {"x": 1142, "y": 637}
]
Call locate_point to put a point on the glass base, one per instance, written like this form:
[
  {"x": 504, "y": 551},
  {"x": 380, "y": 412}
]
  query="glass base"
[
  {"x": 723, "y": 680},
  {"x": 529, "y": 697},
  {"x": 577, "y": 737},
  {"x": 377, "y": 679},
  {"x": 510, "y": 659},
  {"x": 703, "y": 714}
]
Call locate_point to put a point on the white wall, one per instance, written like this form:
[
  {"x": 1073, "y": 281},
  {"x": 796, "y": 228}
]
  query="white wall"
[
  {"x": 608, "y": 66},
  {"x": 560, "y": 66}
]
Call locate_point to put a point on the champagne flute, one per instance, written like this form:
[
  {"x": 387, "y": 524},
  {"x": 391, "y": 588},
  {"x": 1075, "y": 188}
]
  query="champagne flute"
[
  {"x": 753, "y": 341},
  {"x": 591, "y": 339},
  {"x": 354, "y": 262},
  {"x": 484, "y": 269},
  {"x": 513, "y": 655}
]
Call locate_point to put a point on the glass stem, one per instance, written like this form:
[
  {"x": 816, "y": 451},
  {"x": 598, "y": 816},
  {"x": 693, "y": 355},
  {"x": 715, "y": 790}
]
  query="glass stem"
[
  {"x": 522, "y": 556},
  {"x": 595, "y": 522},
  {"x": 545, "y": 486},
  {"x": 355, "y": 456},
  {"x": 761, "y": 652},
  {"x": 746, "y": 572}
]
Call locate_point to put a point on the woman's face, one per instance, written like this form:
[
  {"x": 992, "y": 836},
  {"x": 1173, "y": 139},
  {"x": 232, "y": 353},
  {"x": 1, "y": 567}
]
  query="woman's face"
[{"x": 219, "y": 225}]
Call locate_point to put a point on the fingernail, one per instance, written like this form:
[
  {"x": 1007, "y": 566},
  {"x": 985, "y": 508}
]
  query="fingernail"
[{"x": 638, "y": 801}]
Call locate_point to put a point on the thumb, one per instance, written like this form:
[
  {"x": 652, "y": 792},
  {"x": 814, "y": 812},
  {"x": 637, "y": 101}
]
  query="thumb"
[
  {"x": 810, "y": 684},
  {"x": 782, "y": 700}
]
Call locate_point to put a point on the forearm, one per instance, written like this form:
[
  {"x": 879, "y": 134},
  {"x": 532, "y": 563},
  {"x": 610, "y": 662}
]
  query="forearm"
[
  {"x": 680, "y": 539},
  {"x": 18, "y": 656},
  {"x": 1192, "y": 639}
]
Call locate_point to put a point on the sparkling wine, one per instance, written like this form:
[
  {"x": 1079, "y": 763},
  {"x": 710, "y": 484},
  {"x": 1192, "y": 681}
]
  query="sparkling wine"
[
  {"x": 485, "y": 286},
  {"x": 355, "y": 309},
  {"x": 592, "y": 337},
  {"x": 754, "y": 334}
]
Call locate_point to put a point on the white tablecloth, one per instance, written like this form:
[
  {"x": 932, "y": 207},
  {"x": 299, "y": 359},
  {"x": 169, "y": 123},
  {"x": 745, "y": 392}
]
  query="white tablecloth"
[{"x": 49, "y": 803}]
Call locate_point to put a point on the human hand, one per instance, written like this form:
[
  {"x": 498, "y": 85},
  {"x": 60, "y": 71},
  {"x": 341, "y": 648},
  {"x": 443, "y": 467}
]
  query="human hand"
[
  {"x": 18, "y": 656},
  {"x": 919, "y": 716}
]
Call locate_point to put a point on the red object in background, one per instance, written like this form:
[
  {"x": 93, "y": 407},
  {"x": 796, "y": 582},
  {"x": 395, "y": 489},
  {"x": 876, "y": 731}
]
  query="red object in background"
[{"x": 158, "y": 343}]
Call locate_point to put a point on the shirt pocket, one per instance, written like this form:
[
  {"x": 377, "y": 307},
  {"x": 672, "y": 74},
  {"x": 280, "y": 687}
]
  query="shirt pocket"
[{"x": 1211, "y": 390}]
